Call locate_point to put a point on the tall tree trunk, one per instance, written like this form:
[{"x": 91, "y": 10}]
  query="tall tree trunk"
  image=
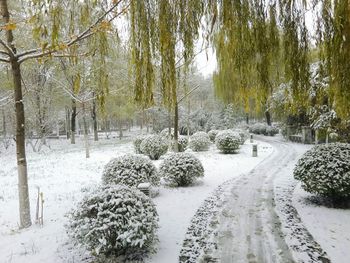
[
  {"x": 94, "y": 119},
  {"x": 268, "y": 117},
  {"x": 247, "y": 118},
  {"x": 68, "y": 130},
  {"x": 73, "y": 121},
  {"x": 4, "y": 130},
  {"x": 176, "y": 128},
  {"x": 23, "y": 192},
  {"x": 86, "y": 138},
  {"x": 120, "y": 129}
]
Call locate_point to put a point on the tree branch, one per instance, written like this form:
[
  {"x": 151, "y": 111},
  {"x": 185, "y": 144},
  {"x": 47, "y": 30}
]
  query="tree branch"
[
  {"x": 30, "y": 54},
  {"x": 187, "y": 94},
  {"x": 9, "y": 50},
  {"x": 2, "y": 59}
]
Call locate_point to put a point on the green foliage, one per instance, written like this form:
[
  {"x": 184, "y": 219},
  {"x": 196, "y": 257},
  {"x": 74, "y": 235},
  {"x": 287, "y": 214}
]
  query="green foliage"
[
  {"x": 228, "y": 141},
  {"x": 115, "y": 223},
  {"x": 325, "y": 170},
  {"x": 130, "y": 170},
  {"x": 181, "y": 169}
]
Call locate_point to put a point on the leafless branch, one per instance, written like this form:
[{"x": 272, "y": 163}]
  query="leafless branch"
[
  {"x": 187, "y": 94},
  {"x": 8, "y": 48}
]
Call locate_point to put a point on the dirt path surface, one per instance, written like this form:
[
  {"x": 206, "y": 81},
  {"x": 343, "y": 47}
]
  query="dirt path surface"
[{"x": 247, "y": 226}]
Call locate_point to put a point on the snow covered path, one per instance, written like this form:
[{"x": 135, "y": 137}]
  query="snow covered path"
[{"x": 248, "y": 226}]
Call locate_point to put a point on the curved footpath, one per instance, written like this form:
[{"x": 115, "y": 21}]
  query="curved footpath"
[{"x": 252, "y": 219}]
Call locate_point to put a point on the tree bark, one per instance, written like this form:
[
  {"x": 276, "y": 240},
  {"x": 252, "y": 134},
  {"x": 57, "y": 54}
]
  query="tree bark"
[
  {"x": 94, "y": 119},
  {"x": 24, "y": 205},
  {"x": 73, "y": 121},
  {"x": 176, "y": 128},
  {"x": 4, "y": 124},
  {"x": 68, "y": 130},
  {"x": 23, "y": 192},
  {"x": 86, "y": 138},
  {"x": 268, "y": 117},
  {"x": 120, "y": 129}
]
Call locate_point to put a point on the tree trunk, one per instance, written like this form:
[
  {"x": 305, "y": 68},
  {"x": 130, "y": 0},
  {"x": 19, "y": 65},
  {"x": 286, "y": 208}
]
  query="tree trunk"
[
  {"x": 23, "y": 192},
  {"x": 176, "y": 128},
  {"x": 68, "y": 130},
  {"x": 268, "y": 117},
  {"x": 73, "y": 121},
  {"x": 120, "y": 129},
  {"x": 94, "y": 118},
  {"x": 86, "y": 138},
  {"x": 4, "y": 124},
  {"x": 247, "y": 119}
]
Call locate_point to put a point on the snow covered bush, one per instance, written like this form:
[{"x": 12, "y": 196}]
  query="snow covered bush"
[
  {"x": 130, "y": 170},
  {"x": 182, "y": 143},
  {"x": 154, "y": 146},
  {"x": 137, "y": 143},
  {"x": 212, "y": 134},
  {"x": 228, "y": 141},
  {"x": 181, "y": 169},
  {"x": 271, "y": 130},
  {"x": 258, "y": 128},
  {"x": 325, "y": 170},
  {"x": 199, "y": 141},
  {"x": 115, "y": 221},
  {"x": 242, "y": 134},
  {"x": 262, "y": 128}
]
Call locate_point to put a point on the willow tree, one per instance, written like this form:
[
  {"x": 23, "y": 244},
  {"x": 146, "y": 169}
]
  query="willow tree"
[
  {"x": 333, "y": 29},
  {"x": 246, "y": 40},
  {"x": 44, "y": 19},
  {"x": 163, "y": 34}
]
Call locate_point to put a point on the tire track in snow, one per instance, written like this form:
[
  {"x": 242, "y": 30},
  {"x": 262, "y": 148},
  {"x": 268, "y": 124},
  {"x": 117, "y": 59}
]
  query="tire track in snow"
[{"x": 239, "y": 222}]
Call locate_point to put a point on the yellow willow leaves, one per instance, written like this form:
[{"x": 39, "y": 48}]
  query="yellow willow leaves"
[{"x": 9, "y": 26}]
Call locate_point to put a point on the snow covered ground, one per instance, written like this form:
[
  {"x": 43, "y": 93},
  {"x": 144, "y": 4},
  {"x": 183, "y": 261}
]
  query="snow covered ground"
[
  {"x": 330, "y": 227},
  {"x": 63, "y": 175}
]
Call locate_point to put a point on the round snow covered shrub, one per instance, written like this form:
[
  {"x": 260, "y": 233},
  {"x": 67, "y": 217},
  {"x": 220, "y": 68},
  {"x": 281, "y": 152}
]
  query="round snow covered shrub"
[
  {"x": 115, "y": 221},
  {"x": 228, "y": 141},
  {"x": 242, "y": 134},
  {"x": 258, "y": 128},
  {"x": 130, "y": 170},
  {"x": 154, "y": 146},
  {"x": 325, "y": 170},
  {"x": 199, "y": 141},
  {"x": 212, "y": 134},
  {"x": 137, "y": 143},
  {"x": 182, "y": 143},
  {"x": 271, "y": 130},
  {"x": 181, "y": 169}
]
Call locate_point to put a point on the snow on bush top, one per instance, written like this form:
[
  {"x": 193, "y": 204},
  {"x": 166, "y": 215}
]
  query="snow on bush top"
[
  {"x": 228, "y": 141},
  {"x": 199, "y": 141},
  {"x": 212, "y": 134},
  {"x": 131, "y": 170},
  {"x": 181, "y": 169},
  {"x": 262, "y": 128},
  {"x": 154, "y": 146},
  {"x": 325, "y": 170},
  {"x": 113, "y": 221},
  {"x": 137, "y": 142},
  {"x": 243, "y": 134}
]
